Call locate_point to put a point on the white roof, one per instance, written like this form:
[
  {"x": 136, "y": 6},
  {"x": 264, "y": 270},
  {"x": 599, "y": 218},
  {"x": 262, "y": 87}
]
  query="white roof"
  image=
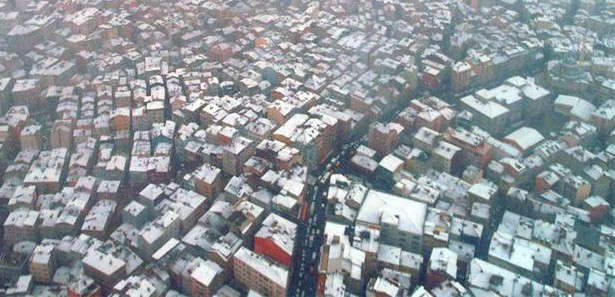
[
  {"x": 206, "y": 272},
  {"x": 391, "y": 163},
  {"x": 525, "y": 137},
  {"x": 208, "y": 173},
  {"x": 485, "y": 275},
  {"x": 379, "y": 207},
  {"x": 167, "y": 247},
  {"x": 443, "y": 259},
  {"x": 281, "y": 231},
  {"x": 489, "y": 109},
  {"x": 579, "y": 108},
  {"x": 446, "y": 150},
  {"x": 389, "y": 254},
  {"x": 534, "y": 92},
  {"x": 269, "y": 270},
  {"x": 105, "y": 263},
  {"x": 506, "y": 94}
]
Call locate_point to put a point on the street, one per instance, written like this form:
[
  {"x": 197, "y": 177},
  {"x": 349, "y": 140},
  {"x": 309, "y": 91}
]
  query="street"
[
  {"x": 304, "y": 278},
  {"x": 309, "y": 240}
]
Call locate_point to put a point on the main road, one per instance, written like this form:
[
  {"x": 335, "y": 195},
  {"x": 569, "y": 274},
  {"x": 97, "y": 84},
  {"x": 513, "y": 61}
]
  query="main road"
[{"x": 304, "y": 278}]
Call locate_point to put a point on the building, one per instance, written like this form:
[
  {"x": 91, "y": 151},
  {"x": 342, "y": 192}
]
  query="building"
[
  {"x": 207, "y": 279},
  {"x": 384, "y": 137},
  {"x": 524, "y": 139},
  {"x": 568, "y": 278},
  {"x": 337, "y": 256},
  {"x": 155, "y": 234},
  {"x": 254, "y": 272},
  {"x": 574, "y": 108},
  {"x": 43, "y": 262},
  {"x": 31, "y": 137},
  {"x": 493, "y": 278},
  {"x": 48, "y": 172},
  {"x": 138, "y": 285},
  {"x": 22, "y": 225},
  {"x": 104, "y": 269},
  {"x": 447, "y": 158},
  {"x": 442, "y": 266},
  {"x": 101, "y": 219},
  {"x": 314, "y": 137},
  {"x": 487, "y": 114},
  {"x": 390, "y": 166},
  {"x": 61, "y": 134},
  {"x": 276, "y": 239},
  {"x": 400, "y": 220},
  {"x": 461, "y": 75},
  {"x": 208, "y": 180},
  {"x": 575, "y": 188}
]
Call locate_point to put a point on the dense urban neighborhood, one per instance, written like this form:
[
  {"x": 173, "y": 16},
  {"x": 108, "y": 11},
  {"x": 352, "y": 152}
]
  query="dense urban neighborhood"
[{"x": 378, "y": 148}]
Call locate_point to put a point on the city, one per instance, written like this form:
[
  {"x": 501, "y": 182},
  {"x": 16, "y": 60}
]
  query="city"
[{"x": 307, "y": 148}]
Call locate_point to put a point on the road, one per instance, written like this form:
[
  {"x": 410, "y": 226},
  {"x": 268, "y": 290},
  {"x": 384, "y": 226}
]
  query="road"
[
  {"x": 304, "y": 278},
  {"x": 309, "y": 239}
]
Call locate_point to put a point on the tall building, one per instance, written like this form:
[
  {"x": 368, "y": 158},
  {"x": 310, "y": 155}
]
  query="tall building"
[
  {"x": 400, "y": 220},
  {"x": 461, "y": 75},
  {"x": 384, "y": 137},
  {"x": 42, "y": 263},
  {"x": 276, "y": 239},
  {"x": 486, "y": 113},
  {"x": 255, "y": 272},
  {"x": 206, "y": 279}
]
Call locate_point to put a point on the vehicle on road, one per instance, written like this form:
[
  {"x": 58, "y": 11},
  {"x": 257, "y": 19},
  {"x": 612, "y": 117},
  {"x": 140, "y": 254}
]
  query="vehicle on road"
[{"x": 325, "y": 177}]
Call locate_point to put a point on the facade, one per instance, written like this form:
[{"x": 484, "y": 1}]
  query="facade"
[
  {"x": 384, "y": 138},
  {"x": 257, "y": 273},
  {"x": 400, "y": 220},
  {"x": 275, "y": 239}
]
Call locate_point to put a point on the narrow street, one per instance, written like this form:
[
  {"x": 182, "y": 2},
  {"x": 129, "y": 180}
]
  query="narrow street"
[
  {"x": 304, "y": 278},
  {"x": 309, "y": 239}
]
